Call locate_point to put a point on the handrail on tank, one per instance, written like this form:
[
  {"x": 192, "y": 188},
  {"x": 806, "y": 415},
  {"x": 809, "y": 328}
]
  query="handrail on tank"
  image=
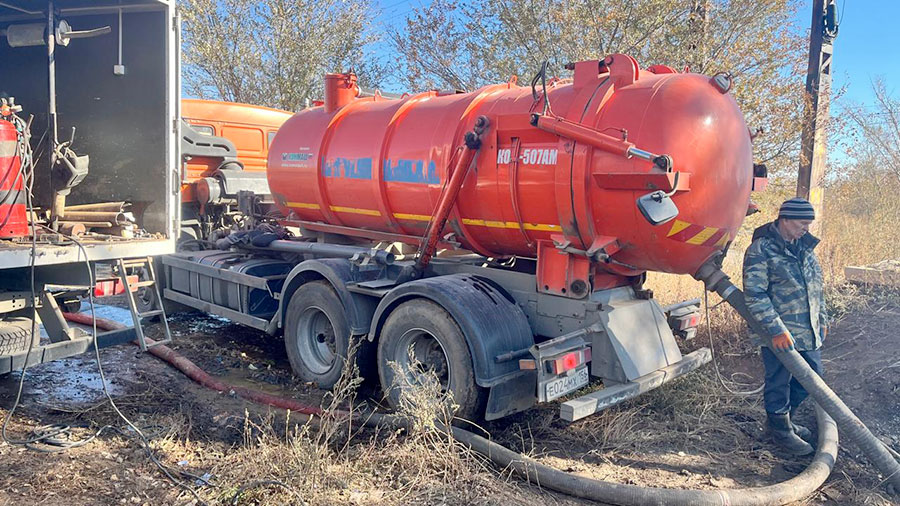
[{"x": 600, "y": 140}]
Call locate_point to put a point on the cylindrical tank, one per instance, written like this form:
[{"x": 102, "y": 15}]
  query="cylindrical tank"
[
  {"x": 381, "y": 164},
  {"x": 13, "y": 220}
]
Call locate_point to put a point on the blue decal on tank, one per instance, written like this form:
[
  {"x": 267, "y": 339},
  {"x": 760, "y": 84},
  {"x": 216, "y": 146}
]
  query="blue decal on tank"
[
  {"x": 348, "y": 168},
  {"x": 411, "y": 171}
]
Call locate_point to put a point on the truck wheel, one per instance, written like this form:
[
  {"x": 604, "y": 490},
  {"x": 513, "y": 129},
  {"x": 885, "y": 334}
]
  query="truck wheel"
[
  {"x": 187, "y": 239},
  {"x": 316, "y": 334},
  {"x": 15, "y": 334},
  {"x": 420, "y": 337},
  {"x": 144, "y": 299},
  {"x": 70, "y": 305}
]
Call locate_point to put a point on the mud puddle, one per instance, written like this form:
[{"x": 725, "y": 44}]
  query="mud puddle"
[
  {"x": 66, "y": 381},
  {"x": 74, "y": 380}
]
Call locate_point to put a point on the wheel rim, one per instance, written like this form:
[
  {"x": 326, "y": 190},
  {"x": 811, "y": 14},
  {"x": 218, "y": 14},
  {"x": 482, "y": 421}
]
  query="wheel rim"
[
  {"x": 316, "y": 341},
  {"x": 419, "y": 354}
]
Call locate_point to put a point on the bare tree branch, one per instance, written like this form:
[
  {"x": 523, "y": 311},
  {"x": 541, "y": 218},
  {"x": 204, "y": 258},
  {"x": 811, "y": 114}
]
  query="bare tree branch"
[{"x": 274, "y": 52}]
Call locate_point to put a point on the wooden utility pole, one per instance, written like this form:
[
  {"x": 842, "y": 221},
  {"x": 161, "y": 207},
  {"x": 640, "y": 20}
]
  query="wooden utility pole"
[{"x": 811, "y": 176}]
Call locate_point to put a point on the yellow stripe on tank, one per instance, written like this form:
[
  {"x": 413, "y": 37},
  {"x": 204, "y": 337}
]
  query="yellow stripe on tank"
[
  {"x": 302, "y": 205},
  {"x": 701, "y": 238},
  {"x": 354, "y": 210},
  {"x": 542, "y": 228},
  {"x": 678, "y": 226},
  {"x": 511, "y": 224},
  {"x": 538, "y": 227},
  {"x": 412, "y": 217}
]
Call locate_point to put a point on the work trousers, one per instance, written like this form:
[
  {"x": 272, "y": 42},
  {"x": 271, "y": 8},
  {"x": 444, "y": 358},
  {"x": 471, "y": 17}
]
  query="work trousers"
[{"x": 782, "y": 392}]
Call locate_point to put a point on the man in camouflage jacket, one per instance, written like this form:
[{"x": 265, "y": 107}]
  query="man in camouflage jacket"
[{"x": 783, "y": 287}]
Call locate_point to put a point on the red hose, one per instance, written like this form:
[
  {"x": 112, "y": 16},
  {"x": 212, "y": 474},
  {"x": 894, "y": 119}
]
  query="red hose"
[{"x": 191, "y": 370}]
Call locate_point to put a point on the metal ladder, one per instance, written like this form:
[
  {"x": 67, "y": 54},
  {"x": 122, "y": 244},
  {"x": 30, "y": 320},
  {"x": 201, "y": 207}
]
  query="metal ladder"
[{"x": 136, "y": 315}]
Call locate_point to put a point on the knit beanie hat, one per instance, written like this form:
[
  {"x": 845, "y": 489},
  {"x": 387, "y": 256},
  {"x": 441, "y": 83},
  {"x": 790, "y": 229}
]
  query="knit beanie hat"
[{"x": 797, "y": 209}]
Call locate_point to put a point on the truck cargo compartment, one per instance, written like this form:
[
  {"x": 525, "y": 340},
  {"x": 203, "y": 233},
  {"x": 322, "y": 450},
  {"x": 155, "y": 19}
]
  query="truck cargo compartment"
[{"x": 118, "y": 112}]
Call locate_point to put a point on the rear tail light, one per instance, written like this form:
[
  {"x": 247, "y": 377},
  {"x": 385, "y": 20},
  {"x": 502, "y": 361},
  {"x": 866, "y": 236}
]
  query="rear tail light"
[
  {"x": 527, "y": 364},
  {"x": 568, "y": 361},
  {"x": 684, "y": 321},
  {"x": 687, "y": 321}
]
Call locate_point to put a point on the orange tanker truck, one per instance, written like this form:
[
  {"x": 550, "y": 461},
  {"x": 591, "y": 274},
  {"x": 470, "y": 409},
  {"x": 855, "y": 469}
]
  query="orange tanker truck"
[
  {"x": 558, "y": 198},
  {"x": 225, "y": 146},
  {"x": 224, "y": 150}
]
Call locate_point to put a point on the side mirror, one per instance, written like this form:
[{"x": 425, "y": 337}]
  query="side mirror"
[{"x": 657, "y": 207}]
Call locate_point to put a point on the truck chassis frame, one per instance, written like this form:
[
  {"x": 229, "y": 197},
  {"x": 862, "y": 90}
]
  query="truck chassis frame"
[{"x": 514, "y": 331}]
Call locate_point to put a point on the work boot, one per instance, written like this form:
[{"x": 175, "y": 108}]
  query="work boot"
[
  {"x": 782, "y": 433},
  {"x": 801, "y": 431}
]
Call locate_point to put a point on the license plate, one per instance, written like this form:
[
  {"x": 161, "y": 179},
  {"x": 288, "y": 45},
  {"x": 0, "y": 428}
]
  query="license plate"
[{"x": 566, "y": 384}]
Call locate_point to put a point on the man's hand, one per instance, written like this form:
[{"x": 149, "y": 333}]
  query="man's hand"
[{"x": 783, "y": 342}]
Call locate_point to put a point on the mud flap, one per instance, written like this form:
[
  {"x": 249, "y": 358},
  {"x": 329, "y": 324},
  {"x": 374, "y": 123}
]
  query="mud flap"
[
  {"x": 637, "y": 341},
  {"x": 510, "y": 396}
]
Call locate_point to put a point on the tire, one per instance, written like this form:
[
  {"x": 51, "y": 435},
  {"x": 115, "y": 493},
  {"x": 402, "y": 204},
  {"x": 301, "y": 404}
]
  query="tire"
[
  {"x": 15, "y": 335},
  {"x": 71, "y": 305},
  {"x": 425, "y": 330},
  {"x": 317, "y": 334},
  {"x": 145, "y": 300},
  {"x": 187, "y": 239}
]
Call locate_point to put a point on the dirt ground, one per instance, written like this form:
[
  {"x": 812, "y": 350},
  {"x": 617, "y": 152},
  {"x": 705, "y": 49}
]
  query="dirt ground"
[{"x": 691, "y": 434}]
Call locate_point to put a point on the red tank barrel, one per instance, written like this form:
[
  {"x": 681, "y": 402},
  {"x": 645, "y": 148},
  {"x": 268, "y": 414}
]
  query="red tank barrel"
[
  {"x": 13, "y": 219},
  {"x": 569, "y": 178}
]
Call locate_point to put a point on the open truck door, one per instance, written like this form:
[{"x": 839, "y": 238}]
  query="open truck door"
[{"x": 91, "y": 121}]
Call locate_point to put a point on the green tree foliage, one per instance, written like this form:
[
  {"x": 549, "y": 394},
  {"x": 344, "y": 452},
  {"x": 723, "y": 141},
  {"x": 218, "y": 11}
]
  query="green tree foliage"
[
  {"x": 465, "y": 45},
  {"x": 273, "y": 52}
]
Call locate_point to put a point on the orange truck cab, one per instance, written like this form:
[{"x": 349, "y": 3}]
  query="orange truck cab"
[{"x": 225, "y": 146}]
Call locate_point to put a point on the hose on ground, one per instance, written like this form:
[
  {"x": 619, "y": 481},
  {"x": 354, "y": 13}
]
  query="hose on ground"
[
  {"x": 824, "y": 396},
  {"x": 192, "y": 371},
  {"x": 794, "y": 489},
  {"x": 785, "y": 492}
]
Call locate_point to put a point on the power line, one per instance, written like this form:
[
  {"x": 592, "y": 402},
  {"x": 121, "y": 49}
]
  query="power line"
[{"x": 385, "y": 10}]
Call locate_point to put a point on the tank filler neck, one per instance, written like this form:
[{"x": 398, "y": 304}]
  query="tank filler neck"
[{"x": 340, "y": 90}]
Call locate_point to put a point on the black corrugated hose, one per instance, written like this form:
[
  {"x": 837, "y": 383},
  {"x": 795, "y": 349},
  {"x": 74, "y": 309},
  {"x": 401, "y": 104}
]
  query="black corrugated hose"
[
  {"x": 824, "y": 396},
  {"x": 785, "y": 492},
  {"x": 794, "y": 489}
]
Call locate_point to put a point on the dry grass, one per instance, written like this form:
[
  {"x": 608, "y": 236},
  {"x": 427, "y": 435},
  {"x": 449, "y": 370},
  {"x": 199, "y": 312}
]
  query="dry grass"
[
  {"x": 650, "y": 440},
  {"x": 330, "y": 460}
]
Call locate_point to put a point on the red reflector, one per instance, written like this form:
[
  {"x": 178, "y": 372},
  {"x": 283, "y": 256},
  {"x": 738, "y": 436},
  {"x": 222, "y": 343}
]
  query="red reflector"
[
  {"x": 113, "y": 286},
  {"x": 570, "y": 361}
]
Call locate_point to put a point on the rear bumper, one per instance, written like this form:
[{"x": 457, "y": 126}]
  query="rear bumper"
[{"x": 593, "y": 402}]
